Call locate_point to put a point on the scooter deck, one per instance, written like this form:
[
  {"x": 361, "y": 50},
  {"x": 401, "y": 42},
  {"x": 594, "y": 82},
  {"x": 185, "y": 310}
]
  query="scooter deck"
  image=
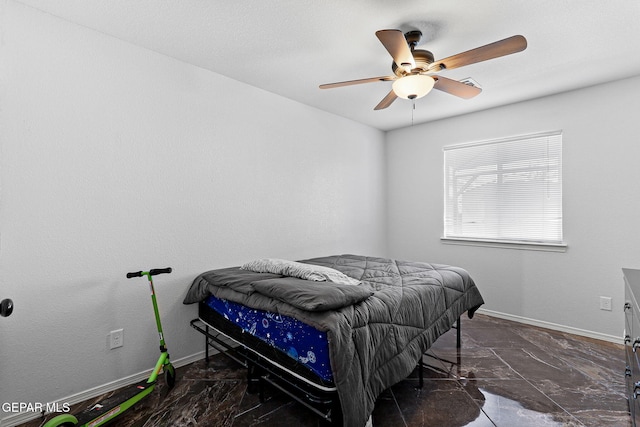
[{"x": 99, "y": 413}]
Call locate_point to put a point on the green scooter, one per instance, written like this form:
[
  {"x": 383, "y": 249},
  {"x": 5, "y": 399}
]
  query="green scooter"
[{"x": 105, "y": 411}]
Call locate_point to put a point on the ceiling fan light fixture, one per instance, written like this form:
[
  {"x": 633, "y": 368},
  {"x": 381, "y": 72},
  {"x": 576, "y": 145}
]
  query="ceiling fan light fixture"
[{"x": 413, "y": 87}]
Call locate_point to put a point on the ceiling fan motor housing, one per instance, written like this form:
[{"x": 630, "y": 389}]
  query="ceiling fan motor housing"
[{"x": 422, "y": 58}]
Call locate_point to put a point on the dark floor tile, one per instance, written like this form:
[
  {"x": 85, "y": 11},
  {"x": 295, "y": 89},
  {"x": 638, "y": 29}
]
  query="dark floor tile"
[
  {"x": 515, "y": 402},
  {"x": 585, "y": 397},
  {"x": 386, "y": 412},
  {"x": 198, "y": 403},
  {"x": 506, "y": 374},
  {"x": 476, "y": 363},
  {"x": 437, "y": 403},
  {"x": 218, "y": 368},
  {"x": 566, "y": 385},
  {"x": 276, "y": 410},
  {"x": 603, "y": 418}
]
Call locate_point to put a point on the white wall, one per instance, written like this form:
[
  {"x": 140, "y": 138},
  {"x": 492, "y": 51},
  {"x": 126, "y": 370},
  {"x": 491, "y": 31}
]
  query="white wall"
[
  {"x": 116, "y": 159},
  {"x": 601, "y": 202}
]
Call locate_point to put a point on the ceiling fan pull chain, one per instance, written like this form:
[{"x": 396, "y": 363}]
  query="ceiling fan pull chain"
[{"x": 413, "y": 109}]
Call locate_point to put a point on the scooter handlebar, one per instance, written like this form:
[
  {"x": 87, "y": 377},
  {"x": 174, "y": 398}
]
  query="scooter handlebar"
[
  {"x": 156, "y": 271},
  {"x": 152, "y": 272}
]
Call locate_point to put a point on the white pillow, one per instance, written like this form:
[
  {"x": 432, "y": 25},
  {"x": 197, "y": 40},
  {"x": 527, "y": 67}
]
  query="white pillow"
[{"x": 300, "y": 270}]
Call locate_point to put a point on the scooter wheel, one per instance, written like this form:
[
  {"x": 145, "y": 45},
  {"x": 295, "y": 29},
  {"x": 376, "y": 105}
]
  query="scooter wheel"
[
  {"x": 170, "y": 375},
  {"x": 64, "y": 420}
]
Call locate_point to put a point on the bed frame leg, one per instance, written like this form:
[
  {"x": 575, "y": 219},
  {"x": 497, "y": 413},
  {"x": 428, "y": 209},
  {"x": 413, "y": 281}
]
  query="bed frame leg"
[
  {"x": 336, "y": 413},
  {"x": 421, "y": 363},
  {"x": 206, "y": 345},
  {"x": 261, "y": 389},
  {"x": 254, "y": 379}
]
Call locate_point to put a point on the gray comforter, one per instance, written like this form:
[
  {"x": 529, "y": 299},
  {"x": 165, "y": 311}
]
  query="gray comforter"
[{"x": 377, "y": 330}]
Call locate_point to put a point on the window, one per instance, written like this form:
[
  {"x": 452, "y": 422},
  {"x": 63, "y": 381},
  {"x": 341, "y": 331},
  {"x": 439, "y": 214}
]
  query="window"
[{"x": 505, "y": 191}]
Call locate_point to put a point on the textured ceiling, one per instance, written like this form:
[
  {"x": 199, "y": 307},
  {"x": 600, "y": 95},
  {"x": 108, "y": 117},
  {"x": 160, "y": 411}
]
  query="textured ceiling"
[{"x": 289, "y": 47}]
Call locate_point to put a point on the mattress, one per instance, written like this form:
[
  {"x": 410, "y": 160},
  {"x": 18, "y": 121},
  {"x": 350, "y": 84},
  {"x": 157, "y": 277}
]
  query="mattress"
[{"x": 289, "y": 342}]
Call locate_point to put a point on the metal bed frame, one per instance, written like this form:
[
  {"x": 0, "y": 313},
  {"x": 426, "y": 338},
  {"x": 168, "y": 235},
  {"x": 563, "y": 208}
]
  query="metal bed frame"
[{"x": 321, "y": 399}]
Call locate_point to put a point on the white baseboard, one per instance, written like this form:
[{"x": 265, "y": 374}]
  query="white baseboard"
[
  {"x": 554, "y": 326},
  {"x": 23, "y": 417}
]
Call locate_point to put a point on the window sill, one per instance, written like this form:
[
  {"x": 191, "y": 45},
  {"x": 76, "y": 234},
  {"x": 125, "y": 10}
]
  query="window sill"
[{"x": 505, "y": 244}]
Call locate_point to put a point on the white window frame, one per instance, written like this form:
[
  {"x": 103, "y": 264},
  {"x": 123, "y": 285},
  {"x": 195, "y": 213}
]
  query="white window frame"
[{"x": 455, "y": 232}]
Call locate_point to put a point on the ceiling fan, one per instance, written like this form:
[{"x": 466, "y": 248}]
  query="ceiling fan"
[{"x": 415, "y": 69}]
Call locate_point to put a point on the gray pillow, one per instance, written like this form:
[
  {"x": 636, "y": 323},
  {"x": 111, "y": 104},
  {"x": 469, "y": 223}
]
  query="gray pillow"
[{"x": 300, "y": 270}]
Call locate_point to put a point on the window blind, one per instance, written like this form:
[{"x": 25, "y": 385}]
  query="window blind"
[{"x": 505, "y": 190}]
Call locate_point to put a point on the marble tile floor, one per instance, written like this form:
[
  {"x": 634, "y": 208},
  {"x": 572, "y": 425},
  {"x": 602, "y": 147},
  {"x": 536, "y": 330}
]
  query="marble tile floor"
[{"x": 509, "y": 374}]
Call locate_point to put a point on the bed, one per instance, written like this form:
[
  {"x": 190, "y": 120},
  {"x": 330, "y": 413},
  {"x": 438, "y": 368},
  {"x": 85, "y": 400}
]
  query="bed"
[{"x": 374, "y": 322}]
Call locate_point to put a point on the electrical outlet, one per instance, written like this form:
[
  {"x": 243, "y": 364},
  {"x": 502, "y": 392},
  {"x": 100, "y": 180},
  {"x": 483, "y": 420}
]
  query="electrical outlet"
[
  {"x": 605, "y": 303},
  {"x": 116, "y": 339}
]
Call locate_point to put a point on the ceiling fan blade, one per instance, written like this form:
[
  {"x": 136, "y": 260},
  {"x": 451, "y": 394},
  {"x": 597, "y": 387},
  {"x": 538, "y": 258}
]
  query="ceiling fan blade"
[
  {"x": 386, "y": 101},
  {"x": 455, "y": 87},
  {"x": 493, "y": 50},
  {"x": 396, "y": 45},
  {"x": 357, "y": 82}
]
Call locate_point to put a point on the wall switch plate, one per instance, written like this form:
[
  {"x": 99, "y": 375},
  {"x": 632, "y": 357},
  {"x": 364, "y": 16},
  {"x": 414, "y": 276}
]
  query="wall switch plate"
[
  {"x": 605, "y": 303},
  {"x": 116, "y": 339}
]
